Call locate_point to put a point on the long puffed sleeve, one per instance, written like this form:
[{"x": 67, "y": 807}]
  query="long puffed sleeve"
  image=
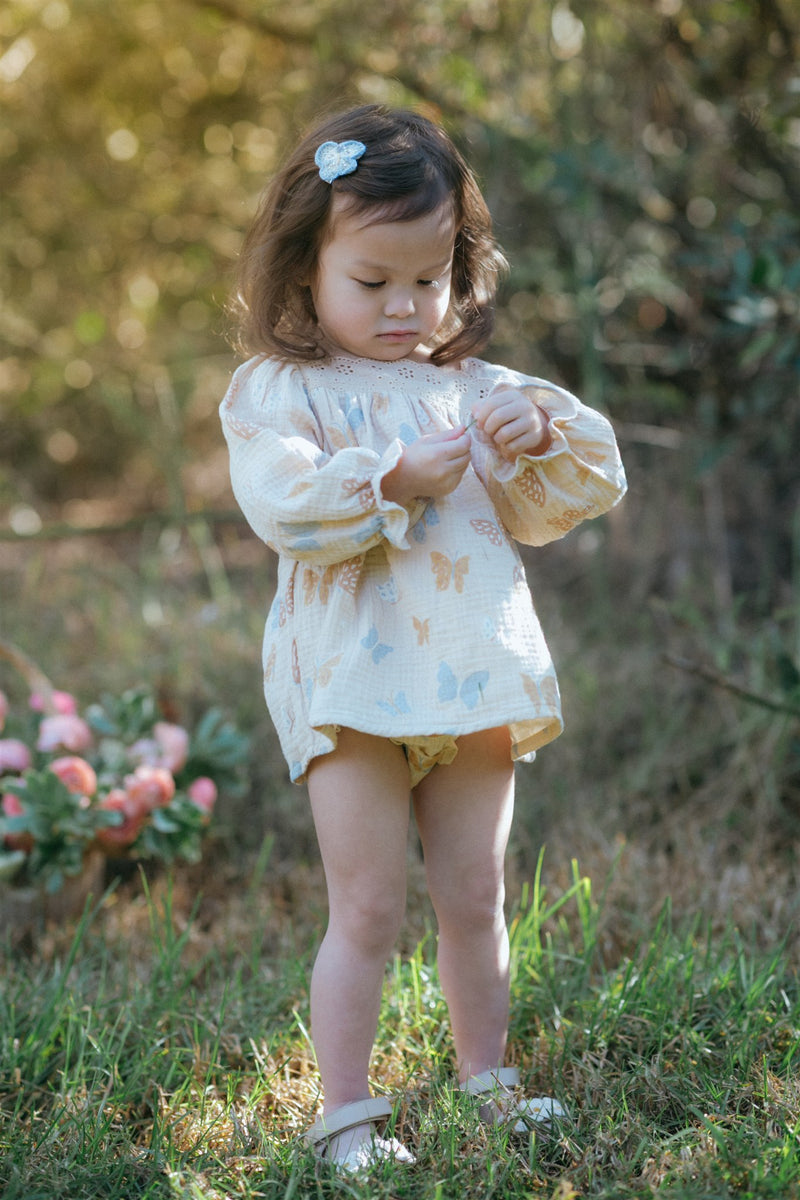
[
  {"x": 300, "y": 499},
  {"x": 540, "y": 498}
]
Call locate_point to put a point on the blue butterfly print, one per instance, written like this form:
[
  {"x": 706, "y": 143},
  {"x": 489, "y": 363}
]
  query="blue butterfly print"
[
  {"x": 372, "y": 527},
  {"x": 397, "y": 704},
  {"x": 379, "y": 649},
  {"x": 354, "y": 414},
  {"x": 407, "y": 433},
  {"x": 429, "y": 518},
  {"x": 470, "y": 692},
  {"x": 388, "y": 591},
  {"x": 302, "y": 531}
]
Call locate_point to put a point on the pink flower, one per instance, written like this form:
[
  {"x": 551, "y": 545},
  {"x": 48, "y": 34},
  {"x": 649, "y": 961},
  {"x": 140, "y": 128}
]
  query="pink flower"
[
  {"x": 14, "y": 756},
  {"x": 114, "y": 837},
  {"x": 150, "y": 787},
  {"x": 76, "y": 774},
  {"x": 173, "y": 742},
  {"x": 168, "y": 748},
  {"x": 64, "y": 732},
  {"x": 145, "y": 751},
  {"x": 63, "y": 702},
  {"x": 203, "y": 794},
  {"x": 3, "y": 709},
  {"x": 13, "y": 807}
]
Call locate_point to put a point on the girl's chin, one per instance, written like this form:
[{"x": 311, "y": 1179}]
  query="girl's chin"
[
  {"x": 389, "y": 348},
  {"x": 398, "y": 346}
]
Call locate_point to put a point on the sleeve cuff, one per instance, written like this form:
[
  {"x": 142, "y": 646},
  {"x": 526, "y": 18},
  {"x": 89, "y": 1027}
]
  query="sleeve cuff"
[{"x": 396, "y": 519}]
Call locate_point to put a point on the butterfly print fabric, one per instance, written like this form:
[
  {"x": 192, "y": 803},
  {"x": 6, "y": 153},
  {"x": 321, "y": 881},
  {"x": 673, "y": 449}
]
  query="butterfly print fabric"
[{"x": 405, "y": 621}]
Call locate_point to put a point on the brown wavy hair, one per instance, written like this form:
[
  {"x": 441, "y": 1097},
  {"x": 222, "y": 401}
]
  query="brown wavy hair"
[{"x": 409, "y": 169}]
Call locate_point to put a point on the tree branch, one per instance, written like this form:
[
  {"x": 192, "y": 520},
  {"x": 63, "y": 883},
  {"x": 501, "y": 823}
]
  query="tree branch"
[{"x": 728, "y": 685}]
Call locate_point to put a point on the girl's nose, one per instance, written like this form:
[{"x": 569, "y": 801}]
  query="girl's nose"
[{"x": 399, "y": 304}]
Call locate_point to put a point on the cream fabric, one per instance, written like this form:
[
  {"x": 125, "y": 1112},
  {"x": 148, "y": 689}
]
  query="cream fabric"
[{"x": 404, "y": 621}]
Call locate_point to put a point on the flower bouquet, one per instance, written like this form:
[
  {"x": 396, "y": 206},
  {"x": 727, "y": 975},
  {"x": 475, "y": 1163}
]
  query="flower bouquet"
[{"x": 114, "y": 781}]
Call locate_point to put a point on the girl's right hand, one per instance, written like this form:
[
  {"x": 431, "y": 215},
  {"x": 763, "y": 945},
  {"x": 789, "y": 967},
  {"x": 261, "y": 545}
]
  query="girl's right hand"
[{"x": 430, "y": 466}]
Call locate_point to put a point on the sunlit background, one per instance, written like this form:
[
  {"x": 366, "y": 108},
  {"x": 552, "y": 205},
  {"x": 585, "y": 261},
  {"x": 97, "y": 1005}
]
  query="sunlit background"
[{"x": 642, "y": 162}]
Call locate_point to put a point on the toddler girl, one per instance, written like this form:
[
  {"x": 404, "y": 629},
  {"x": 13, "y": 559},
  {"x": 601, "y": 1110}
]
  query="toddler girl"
[{"x": 391, "y": 469}]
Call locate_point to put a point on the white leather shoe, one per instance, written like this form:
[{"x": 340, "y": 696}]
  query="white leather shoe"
[
  {"x": 503, "y": 1105},
  {"x": 367, "y": 1154}
]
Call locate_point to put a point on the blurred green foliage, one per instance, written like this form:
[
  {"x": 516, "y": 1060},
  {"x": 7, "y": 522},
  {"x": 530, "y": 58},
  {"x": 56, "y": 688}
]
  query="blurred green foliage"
[{"x": 641, "y": 160}]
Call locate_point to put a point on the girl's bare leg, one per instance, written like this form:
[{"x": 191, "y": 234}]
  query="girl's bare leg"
[
  {"x": 463, "y": 813},
  {"x": 360, "y": 803}
]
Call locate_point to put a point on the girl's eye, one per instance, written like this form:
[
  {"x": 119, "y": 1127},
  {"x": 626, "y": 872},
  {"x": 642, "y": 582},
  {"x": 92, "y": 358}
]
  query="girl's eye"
[{"x": 372, "y": 285}]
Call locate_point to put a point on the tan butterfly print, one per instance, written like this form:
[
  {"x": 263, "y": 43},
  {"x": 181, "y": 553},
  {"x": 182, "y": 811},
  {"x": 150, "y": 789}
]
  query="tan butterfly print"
[
  {"x": 349, "y": 574},
  {"x": 325, "y": 672},
  {"x": 447, "y": 571},
  {"x": 532, "y": 487},
  {"x": 489, "y": 529},
  {"x": 319, "y": 584},
  {"x": 570, "y": 518},
  {"x": 423, "y": 628},
  {"x": 269, "y": 666},
  {"x": 361, "y": 488},
  {"x": 550, "y": 691},
  {"x": 545, "y": 692}
]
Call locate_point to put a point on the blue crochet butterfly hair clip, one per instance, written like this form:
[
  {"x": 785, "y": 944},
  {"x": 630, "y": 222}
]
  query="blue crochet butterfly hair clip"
[{"x": 338, "y": 158}]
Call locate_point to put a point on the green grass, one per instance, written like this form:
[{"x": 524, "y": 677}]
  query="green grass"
[
  {"x": 148, "y": 1060},
  {"x": 161, "y": 1049}
]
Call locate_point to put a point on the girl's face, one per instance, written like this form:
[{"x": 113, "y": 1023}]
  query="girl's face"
[{"x": 382, "y": 290}]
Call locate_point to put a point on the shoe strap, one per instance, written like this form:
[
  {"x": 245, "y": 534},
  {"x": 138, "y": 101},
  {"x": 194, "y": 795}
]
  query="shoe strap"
[
  {"x": 499, "y": 1079},
  {"x": 360, "y": 1112}
]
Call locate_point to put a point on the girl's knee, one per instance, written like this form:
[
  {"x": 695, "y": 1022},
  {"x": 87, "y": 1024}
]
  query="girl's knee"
[
  {"x": 369, "y": 921},
  {"x": 475, "y": 906}
]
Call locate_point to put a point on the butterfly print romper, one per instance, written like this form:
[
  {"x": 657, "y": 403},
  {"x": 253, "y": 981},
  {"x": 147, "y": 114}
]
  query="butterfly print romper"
[{"x": 405, "y": 621}]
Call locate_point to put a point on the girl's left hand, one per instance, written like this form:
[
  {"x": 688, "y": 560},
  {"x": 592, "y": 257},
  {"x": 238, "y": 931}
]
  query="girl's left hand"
[{"x": 514, "y": 423}]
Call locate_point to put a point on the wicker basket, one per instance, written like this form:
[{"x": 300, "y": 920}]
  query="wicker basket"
[{"x": 26, "y": 911}]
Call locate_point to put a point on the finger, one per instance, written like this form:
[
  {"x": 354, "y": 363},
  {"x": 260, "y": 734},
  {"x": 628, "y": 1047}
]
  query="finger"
[
  {"x": 497, "y": 418},
  {"x": 508, "y": 431},
  {"x": 484, "y": 410},
  {"x": 452, "y": 435},
  {"x": 459, "y": 445}
]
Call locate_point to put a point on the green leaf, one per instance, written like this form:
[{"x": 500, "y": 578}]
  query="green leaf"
[
  {"x": 163, "y": 822},
  {"x": 10, "y": 863},
  {"x": 758, "y": 347}
]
